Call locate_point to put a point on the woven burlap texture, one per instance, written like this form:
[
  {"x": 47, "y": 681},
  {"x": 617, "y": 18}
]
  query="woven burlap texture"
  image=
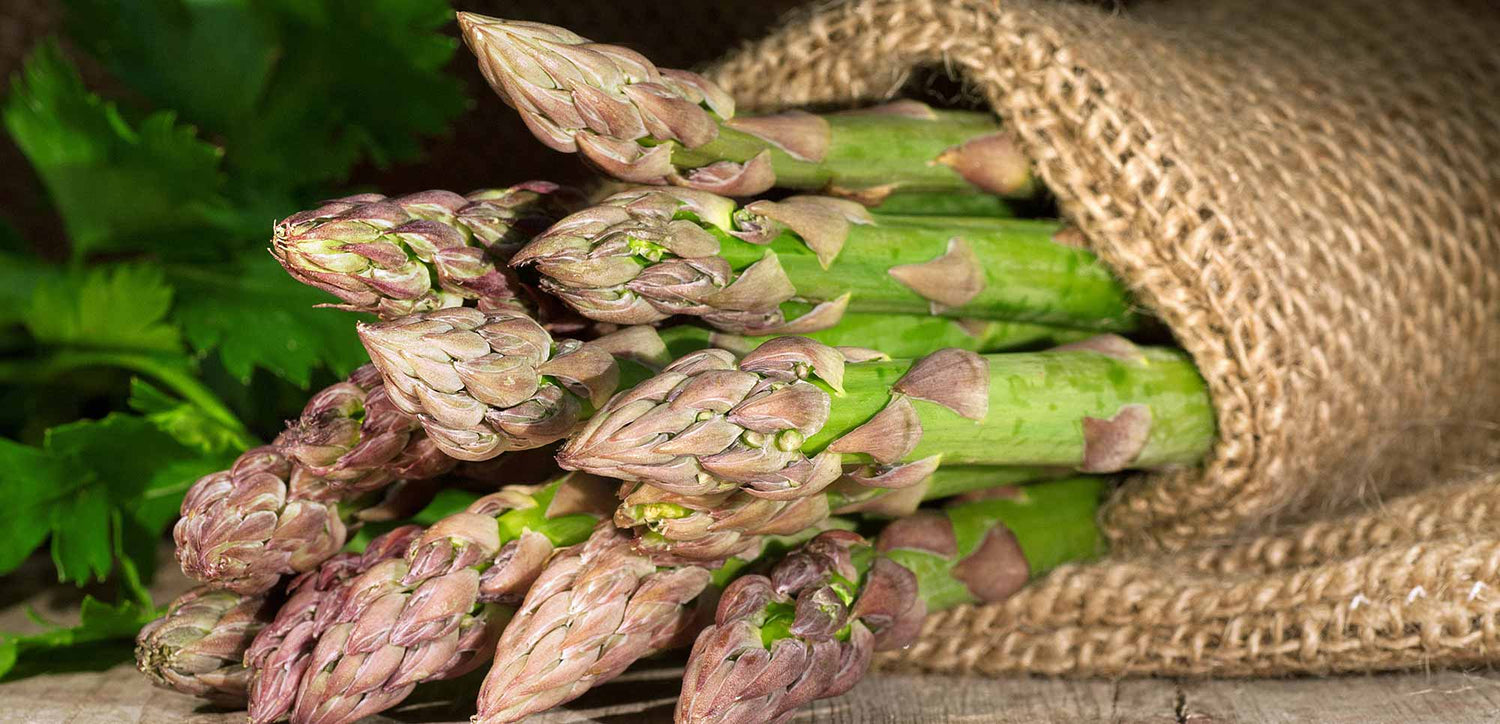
[
  {"x": 1413, "y": 584},
  {"x": 1309, "y": 195}
]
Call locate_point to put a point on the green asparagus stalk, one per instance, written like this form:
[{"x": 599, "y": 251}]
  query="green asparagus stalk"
[
  {"x": 783, "y": 421},
  {"x": 437, "y": 613},
  {"x": 902, "y": 336},
  {"x": 697, "y": 528},
  {"x": 196, "y": 647},
  {"x": 482, "y": 384},
  {"x": 799, "y": 264},
  {"x": 938, "y": 203},
  {"x": 420, "y": 252},
  {"x": 808, "y": 630},
  {"x": 642, "y": 124}
]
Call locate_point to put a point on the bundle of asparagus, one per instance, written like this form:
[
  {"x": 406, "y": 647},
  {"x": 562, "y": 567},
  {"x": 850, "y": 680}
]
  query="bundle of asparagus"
[{"x": 890, "y": 357}]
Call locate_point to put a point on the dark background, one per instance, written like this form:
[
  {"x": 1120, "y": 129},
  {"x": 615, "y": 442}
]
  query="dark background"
[{"x": 488, "y": 145}]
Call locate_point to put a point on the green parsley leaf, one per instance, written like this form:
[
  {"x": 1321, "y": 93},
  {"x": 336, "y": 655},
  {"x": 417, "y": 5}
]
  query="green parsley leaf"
[
  {"x": 19, "y": 275},
  {"x": 117, "y": 187},
  {"x": 117, "y": 307},
  {"x": 207, "y": 59},
  {"x": 355, "y": 79},
  {"x": 99, "y": 623},
  {"x": 257, "y": 316},
  {"x": 84, "y": 471},
  {"x": 29, "y": 478},
  {"x": 298, "y": 91},
  {"x": 187, "y": 423}
]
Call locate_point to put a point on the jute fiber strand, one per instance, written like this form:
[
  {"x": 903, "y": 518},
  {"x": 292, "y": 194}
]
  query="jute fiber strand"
[
  {"x": 1415, "y": 583},
  {"x": 1308, "y": 194}
]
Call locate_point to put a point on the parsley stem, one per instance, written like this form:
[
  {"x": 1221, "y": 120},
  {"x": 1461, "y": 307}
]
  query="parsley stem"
[{"x": 173, "y": 377}]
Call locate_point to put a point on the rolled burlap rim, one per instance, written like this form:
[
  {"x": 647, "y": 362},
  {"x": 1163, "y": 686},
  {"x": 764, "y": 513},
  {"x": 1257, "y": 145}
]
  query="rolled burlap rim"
[{"x": 1308, "y": 194}]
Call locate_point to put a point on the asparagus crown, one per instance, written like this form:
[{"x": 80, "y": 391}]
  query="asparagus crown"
[
  {"x": 484, "y": 383},
  {"x": 510, "y": 535},
  {"x": 596, "y": 608},
  {"x": 598, "y": 100},
  {"x": 806, "y": 631},
  {"x": 279, "y": 655},
  {"x": 710, "y": 423},
  {"x": 424, "y": 251},
  {"x": 689, "y": 528},
  {"x": 426, "y": 613},
  {"x": 265, "y": 517},
  {"x": 643, "y": 255},
  {"x": 196, "y": 647},
  {"x": 382, "y": 637},
  {"x": 353, "y": 436}
]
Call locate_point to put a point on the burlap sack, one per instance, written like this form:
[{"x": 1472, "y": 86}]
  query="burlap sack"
[{"x": 1309, "y": 195}]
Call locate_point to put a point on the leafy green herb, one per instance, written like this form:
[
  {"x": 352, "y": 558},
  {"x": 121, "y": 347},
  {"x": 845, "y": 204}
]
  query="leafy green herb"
[
  {"x": 71, "y": 487},
  {"x": 100, "y": 624},
  {"x": 237, "y": 112},
  {"x": 256, "y": 315},
  {"x": 118, "y": 186},
  {"x": 295, "y": 89}
]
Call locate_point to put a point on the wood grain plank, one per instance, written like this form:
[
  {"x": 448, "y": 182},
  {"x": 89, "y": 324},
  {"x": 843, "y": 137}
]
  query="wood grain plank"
[{"x": 646, "y": 696}]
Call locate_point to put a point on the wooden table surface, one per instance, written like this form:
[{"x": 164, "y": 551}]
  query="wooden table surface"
[
  {"x": 647, "y": 693},
  {"x": 120, "y": 694}
]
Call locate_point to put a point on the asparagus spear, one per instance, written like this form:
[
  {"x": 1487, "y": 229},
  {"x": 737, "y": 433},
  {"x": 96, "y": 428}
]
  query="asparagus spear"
[
  {"x": 424, "y": 251},
  {"x": 482, "y": 384},
  {"x": 278, "y": 656},
  {"x": 195, "y": 648},
  {"x": 903, "y": 336},
  {"x": 808, "y": 630},
  {"x": 244, "y": 528},
  {"x": 669, "y": 526},
  {"x": 599, "y": 607},
  {"x": 595, "y": 609},
  {"x": 784, "y": 420},
  {"x": 437, "y": 613},
  {"x": 284, "y": 508},
  {"x": 797, "y": 265},
  {"x": 352, "y": 436},
  {"x": 642, "y": 124}
]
